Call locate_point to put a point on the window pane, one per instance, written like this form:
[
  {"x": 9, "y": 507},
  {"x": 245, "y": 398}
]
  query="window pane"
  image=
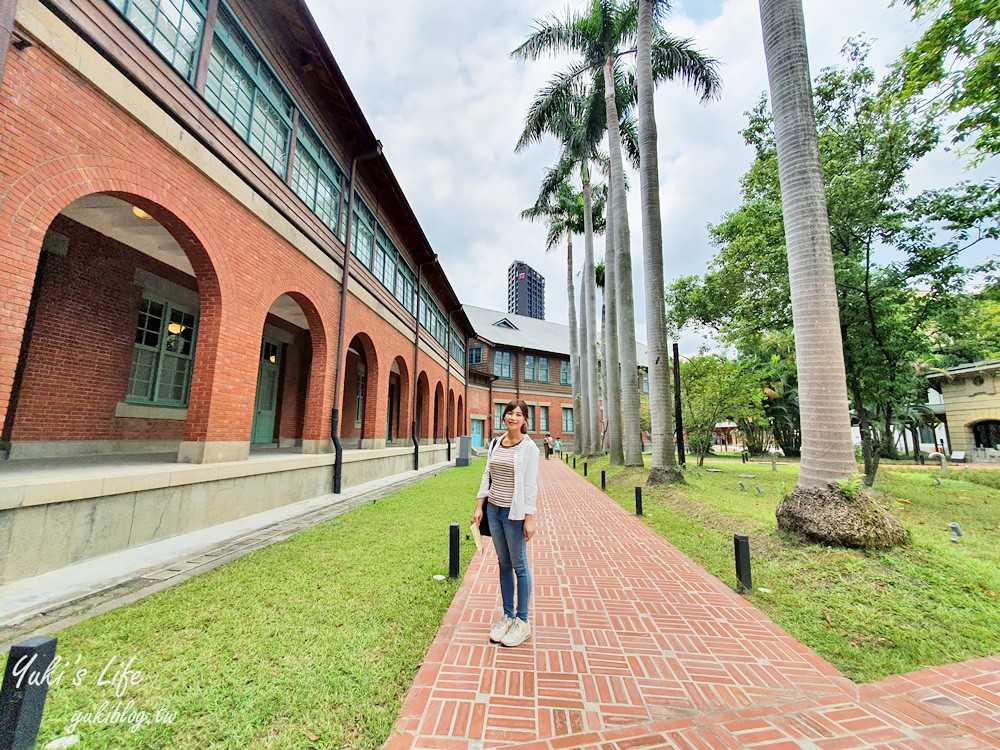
[
  {"x": 173, "y": 27},
  {"x": 174, "y": 373},
  {"x": 140, "y": 382}
]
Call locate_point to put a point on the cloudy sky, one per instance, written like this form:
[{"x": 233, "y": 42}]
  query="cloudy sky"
[{"x": 435, "y": 81}]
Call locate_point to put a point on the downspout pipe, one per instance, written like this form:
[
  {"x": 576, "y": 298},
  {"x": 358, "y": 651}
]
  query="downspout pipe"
[
  {"x": 338, "y": 464},
  {"x": 447, "y": 390}
]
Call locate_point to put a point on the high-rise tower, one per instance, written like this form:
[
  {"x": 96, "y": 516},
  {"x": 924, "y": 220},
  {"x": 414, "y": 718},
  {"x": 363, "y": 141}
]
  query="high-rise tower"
[{"x": 525, "y": 291}]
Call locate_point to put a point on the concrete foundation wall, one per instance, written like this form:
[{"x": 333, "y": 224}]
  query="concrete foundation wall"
[{"x": 40, "y": 530}]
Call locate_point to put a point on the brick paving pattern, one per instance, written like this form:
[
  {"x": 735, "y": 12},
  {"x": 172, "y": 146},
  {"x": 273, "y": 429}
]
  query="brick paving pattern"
[{"x": 634, "y": 646}]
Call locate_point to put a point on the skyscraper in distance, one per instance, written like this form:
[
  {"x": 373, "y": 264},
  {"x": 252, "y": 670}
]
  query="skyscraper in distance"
[{"x": 525, "y": 291}]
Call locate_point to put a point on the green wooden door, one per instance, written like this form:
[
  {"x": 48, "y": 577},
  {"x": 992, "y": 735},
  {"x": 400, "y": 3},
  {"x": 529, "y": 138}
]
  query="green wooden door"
[{"x": 266, "y": 404}]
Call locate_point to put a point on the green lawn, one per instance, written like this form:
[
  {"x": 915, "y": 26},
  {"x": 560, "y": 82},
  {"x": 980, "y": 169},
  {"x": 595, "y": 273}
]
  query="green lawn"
[
  {"x": 870, "y": 614},
  {"x": 310, "y": 643}
]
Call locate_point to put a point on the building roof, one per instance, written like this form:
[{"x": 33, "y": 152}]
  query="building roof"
[
  {"x": 982, "y": 366},
  {"x": 505, "y": 329}
]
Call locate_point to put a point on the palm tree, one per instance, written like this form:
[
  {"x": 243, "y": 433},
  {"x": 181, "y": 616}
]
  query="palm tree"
[
  {"x": 701, "y": 73},
  {"x": 564, "y": 210},
  {"x": 599, "y": 273},
  {"x": 602, "y": 37},
  {"x": 827, "y": 449}
]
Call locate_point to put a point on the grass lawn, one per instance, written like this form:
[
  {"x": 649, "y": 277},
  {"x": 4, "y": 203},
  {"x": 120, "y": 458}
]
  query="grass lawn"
[
  {"x": 869, "y": 614},
  {"x": 310, "y": 643}
]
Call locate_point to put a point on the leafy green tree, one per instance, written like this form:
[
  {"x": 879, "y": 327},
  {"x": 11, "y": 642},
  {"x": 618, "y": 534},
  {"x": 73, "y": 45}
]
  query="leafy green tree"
[
  {"x": 715, "y": 389},
  {"x": 957, "y": 61},
  {"x": 899, "y": 279}
]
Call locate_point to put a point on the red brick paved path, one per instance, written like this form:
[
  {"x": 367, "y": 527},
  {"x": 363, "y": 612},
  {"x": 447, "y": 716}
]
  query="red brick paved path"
[{"x": 635, "y": 646}]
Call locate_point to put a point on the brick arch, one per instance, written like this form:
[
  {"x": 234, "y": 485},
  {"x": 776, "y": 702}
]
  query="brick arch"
[
  {"x": 460, "y": 417},
  {"x": 405, "y": 398},
  {"x": 439, "y": 411},
  {"x": 31, "y": 204},
  {"x": 423, "y": 409},
  {"x": 315, "y": 403},
  {"x": 451, "y": 413},
  {"x": 369, "y": 428}
]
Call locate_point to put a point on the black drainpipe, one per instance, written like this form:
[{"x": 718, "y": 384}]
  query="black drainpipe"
[
  {"x": 338, "y": 463},
  {"x": 416, "y": 373}
]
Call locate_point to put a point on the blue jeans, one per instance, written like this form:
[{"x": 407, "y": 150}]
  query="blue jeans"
[{"x": 512, "y": 554}]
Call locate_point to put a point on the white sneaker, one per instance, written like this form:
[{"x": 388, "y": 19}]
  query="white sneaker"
[
  {"x": 517, "y": 634},
  {"x": 500, "y": 629}
]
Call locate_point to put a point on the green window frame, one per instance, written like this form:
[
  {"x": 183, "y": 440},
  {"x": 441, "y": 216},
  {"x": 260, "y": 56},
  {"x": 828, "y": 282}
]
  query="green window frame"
[
  {"x": 363, "y": 229},
  {"x": 565, "y": 376},
  {"x": 531, "y": 418},
  {"x": 162, "y": 354},
  {"x": 542, "y": 370},
  {"x": 498, "y": 416},
  {"x": 244, "y": 90},
  {"x": 529, "y": 367},
  {"x": 567, "y": 421},
  {"x": 543, "y": 418},
  {"x": 457, "y": 347},
  {"x": 173, "y": 27},
  {"x": 405, "y": 285},
  {"x": 316, "y": 177},
  {"x": 475, "y": 355},
  {"x": 501, "y": 364}
]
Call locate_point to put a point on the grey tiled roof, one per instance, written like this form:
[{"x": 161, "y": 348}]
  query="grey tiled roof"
[{"x": 529, "y": 333}]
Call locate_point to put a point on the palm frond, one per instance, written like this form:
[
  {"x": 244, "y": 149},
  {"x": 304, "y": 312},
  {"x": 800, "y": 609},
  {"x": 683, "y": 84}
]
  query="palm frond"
[
  {"x": 552, "y": 36},
  {"x": 676, "y": 58},
  {"x": 554, "y": 107}
]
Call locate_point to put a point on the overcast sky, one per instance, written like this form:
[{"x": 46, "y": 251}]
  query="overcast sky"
[{"x": 440, "y": 91}]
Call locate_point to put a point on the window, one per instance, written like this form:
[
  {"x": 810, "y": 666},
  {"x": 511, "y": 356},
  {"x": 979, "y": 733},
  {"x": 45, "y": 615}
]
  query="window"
[
  {"x": 359, "y": 409},
  {"x": 316, "y": 177},
  {"x": 564, "y": 373},
  {"x": 498, "y": 416},
  {"x": 567, "y": 420},
  {"x": 501, "y": 364},
  {"x": 362, "y": 242},
  {"x": 173, "y": 27},
  {"x": 531, "y": 418},
  {"x": 645, "y": 382},
  {"x": 385, "y": 260},
  {"x": 543, "y": 418},
  {"x": 458, "y": 347},
  {"x": 405, "y": 285},
  {"x": 475, "y": 355},
  {"x": 529, "y": 367},
  {"x": 245, "y": 92},
  {"x": 163, "y": 355},
  {"x": 542, "y": 370}
]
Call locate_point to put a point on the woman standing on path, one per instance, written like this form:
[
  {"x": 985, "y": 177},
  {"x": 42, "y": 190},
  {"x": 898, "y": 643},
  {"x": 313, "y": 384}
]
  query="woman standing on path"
[{"x": 510, "y": 484}]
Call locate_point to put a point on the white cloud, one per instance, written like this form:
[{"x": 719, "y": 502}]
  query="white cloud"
[{"x": 436, "y": 82}]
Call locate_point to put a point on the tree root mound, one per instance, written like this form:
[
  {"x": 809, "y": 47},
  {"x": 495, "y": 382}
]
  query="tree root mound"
[
  {"x": 660, "y": 476},
  {"x": 829, "y": 516}
]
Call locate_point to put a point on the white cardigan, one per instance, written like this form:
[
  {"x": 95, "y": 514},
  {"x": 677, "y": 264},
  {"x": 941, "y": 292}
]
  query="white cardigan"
[{"x": 525, "y": 479}]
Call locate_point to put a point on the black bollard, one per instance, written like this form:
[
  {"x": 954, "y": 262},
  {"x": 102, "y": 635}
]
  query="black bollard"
[
  {"x": 453, "y": 551},
  {"x": 574, "y": 462},
  {"x": 585, "y": 468},
  {"x": 604, "y": 477},
  {"x": 22, "y": 697},
  {"x": 741, "y": 544},
  {"x": 638, "y": 501}
]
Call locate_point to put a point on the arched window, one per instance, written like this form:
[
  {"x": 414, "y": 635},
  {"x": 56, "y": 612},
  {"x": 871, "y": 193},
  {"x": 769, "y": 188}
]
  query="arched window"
[{"x": 987, "y": 433}]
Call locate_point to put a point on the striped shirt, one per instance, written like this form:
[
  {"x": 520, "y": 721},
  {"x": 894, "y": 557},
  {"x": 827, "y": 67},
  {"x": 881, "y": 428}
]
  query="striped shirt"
[{"x": 502, "y": 476}]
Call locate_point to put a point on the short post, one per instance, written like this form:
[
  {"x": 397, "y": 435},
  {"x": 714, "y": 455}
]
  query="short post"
[
  {"x": 638, "y": 501},
  {"x": 741, "y": 544},
  {"x": 574, "y": 462},
  {"x": 585, "y": 468},
  {"x": 22, "y": 697},
  {"x": 604, "y": 479},
  {"x": 453, "y": 551}
]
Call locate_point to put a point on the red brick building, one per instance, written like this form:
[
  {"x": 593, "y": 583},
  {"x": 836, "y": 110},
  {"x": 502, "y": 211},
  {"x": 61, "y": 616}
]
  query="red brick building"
[
  {"x": 178, "y": 183},
  {"x": 515, "y": 356}
]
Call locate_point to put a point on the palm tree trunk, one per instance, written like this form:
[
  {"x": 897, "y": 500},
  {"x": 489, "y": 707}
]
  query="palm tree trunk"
[
  {"x": 827, "y": 450},
  {"x": 623, "y": 277},
  {"x": 580, "y": 389},
  {"x": 604, "y": 369},
  {"x": 574, "y": 349},
  {"x": 664, "y": 465},
  {"x": 613, "y": 406},
  {"x": 589, "y": 284}
]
